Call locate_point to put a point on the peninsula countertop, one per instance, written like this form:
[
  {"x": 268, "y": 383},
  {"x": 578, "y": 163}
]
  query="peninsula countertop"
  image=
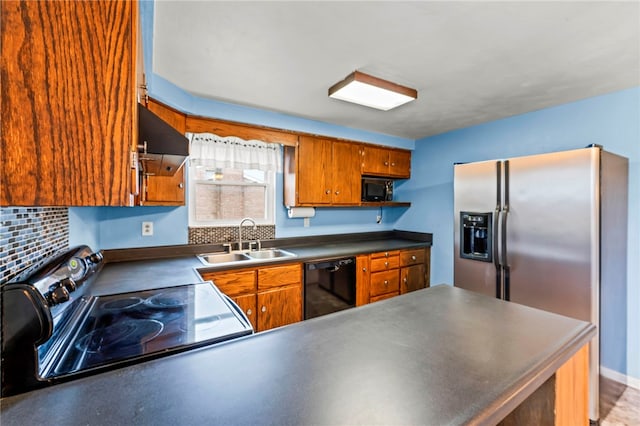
[{"x": 441, "y": 355}]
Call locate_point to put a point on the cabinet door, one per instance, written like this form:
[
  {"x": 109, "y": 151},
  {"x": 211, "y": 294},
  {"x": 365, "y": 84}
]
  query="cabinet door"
[
  {"x": 400, "y": 164},
  {"x": 346, "y": 173},
  {"x": 314, "y": 171},
  {"x": 68, "y": 102},
  {"x": 164, "y": 190},
  {"x": 248, "y": 305},
  {"x": 362, "y": 279},
  {"x": 413, "y": 278},
  {"x": 279, "y": 307},
  {"x": 375, "y": 161}
]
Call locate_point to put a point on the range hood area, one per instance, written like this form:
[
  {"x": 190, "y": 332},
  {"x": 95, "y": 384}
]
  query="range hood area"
[{"x": 162, "y": 148}]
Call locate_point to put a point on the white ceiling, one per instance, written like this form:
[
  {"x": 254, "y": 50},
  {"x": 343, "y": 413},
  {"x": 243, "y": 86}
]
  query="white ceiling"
[{"x": 471, "y": 62}]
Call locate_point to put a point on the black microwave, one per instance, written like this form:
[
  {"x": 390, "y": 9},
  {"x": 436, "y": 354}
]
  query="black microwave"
[{"x": 377, "y": 189}]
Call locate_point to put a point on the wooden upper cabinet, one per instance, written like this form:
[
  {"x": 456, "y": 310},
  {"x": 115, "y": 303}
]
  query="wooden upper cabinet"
[
  {"x": 173, "y": 117},
  {"x": 68, "y": 102},
  {"x": 314, "y": 176},
  {"x": 346, "y": 173},
  {"x": 165, "y": 190},
  {"x": 327, "y": 173},
  {"x": 386, "y": 162}
]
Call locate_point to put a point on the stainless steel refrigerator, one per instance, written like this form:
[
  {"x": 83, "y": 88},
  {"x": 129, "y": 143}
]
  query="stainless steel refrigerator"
[{"x": 549, "y": 231}]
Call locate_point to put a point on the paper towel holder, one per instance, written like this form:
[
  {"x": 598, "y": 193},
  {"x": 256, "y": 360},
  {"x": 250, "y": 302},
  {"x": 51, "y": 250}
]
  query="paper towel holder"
[{"x": 301, "y": 212}]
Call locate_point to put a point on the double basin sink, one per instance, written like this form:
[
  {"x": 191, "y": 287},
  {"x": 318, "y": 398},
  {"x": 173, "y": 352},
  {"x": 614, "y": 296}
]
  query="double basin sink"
[{"x": 262, "y": 255}]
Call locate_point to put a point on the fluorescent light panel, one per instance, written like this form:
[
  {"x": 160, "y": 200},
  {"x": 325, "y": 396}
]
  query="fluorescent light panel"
[{"x": 364, "y": 89}]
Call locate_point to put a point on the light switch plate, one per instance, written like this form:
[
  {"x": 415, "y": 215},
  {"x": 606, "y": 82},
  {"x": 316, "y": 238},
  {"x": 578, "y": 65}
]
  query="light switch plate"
[{"x": 147, "y": 229}]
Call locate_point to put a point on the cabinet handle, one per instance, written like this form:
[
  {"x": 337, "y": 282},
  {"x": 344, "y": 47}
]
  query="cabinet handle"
[
  {"x": 337, "y": 192},
  {"x": 328, "y": 191},
  {"x": 249, "y": 312},
  {"x": 386, "y": 264},
  {"x": 386, "y": 163},
  {"x": 393, "y": 164},
  {"x": 413, "y": 258},
  {"x": 364, "y": 269},
  {"x": 386, "y": 282},
  {"x": 405, "y": 279},
  {"x": 264, "y": 309},
  {"x": 386, "y": 254},
  {"x": 181, "y": 185}
]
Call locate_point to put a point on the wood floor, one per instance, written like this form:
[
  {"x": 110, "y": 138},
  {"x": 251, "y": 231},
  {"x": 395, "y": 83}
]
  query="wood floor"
[{"x": 619, "y": 405}]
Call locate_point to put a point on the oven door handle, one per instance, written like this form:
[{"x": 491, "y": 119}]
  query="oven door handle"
[{"x": 236, "y": 308}]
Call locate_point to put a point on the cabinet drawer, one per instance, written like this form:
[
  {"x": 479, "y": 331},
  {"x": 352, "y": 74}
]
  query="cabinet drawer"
[
  {"x": 385, "y": 263},
  {"x": 390, "y": 253},
  {"x": 233, "y": 283},
  {"x": 383, "y": 296},
  {"x": 277, "y": 276},
  {"x": 385, "y": 282},
  {"x": 412, "y": 257}
]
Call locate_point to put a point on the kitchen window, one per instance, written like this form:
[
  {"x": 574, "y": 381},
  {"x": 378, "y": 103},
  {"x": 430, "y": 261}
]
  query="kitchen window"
[{"x": 230, "y": 179}]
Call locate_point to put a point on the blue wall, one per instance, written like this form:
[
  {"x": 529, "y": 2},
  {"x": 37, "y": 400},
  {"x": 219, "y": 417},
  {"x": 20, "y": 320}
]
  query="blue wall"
[{"x": 612, "y": 121}]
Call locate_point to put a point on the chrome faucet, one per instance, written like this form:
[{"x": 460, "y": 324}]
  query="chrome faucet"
[{"x": 246, "y": 219}]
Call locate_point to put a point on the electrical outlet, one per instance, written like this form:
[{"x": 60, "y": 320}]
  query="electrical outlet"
[{"x": 147, "y": 229}]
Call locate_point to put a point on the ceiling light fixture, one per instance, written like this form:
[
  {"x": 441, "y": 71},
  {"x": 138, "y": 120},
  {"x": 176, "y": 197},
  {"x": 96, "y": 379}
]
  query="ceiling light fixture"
[{"x": 374, "y": 92}]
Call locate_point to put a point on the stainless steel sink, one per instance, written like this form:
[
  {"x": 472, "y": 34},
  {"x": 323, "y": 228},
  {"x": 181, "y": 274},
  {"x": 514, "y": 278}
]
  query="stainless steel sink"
[
  {"x": 244, "y": 256},
  {"x": 217, "y": 258},
  {"x": 271, "y": 253}
]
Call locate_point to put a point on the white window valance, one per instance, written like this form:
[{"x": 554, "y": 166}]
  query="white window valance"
[{"x": 216, "y": 151}]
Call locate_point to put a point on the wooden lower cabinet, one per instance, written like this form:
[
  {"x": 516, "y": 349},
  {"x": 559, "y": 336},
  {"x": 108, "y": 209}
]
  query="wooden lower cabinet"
[
  {"x": 414, "y": 269},
  {"x": 387, "y": 274},
  {"x": 279, "y": 307},
  {"x": 362, "y": 279},
  {"x": 269, "y": 296},
  {"x": 247, "y": 303},
  {"x": 412, "y": 278}
]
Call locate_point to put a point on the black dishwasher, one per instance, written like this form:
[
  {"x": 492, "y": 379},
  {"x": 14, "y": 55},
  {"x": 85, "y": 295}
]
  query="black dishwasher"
[{"x": 329, "y": 286}]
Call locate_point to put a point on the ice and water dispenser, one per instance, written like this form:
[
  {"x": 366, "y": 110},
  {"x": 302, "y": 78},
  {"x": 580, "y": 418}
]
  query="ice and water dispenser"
[{"x": 476, "y": 235}]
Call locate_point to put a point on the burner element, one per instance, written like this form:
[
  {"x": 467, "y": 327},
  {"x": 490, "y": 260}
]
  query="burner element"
[
  {"x": 123, "y": 334},
  {"x": 121, "y": 304},
  {"x": 168, "y": 300}
]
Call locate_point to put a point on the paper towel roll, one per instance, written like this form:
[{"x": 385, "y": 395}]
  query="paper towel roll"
[{"x": 295, "y": 212}]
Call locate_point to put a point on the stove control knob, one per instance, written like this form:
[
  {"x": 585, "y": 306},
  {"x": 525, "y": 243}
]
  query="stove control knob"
[
  {"x": 57, "y": 295},
  {"x": 94, "y": 258},
  {"x": 69, "y": 284}
]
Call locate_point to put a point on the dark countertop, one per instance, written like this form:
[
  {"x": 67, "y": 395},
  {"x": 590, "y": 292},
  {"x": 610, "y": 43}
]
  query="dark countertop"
[
  {"x": 180, "y": 265},
  {"x": 437, "y": 356}
]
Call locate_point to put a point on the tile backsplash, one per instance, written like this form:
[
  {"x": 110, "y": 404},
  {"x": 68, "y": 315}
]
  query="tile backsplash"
[
  {"x": 29, "y": 235},
  {"x": 225, "y": 234}
]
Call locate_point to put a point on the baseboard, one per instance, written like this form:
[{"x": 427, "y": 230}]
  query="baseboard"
[{"x": 633, "y": 382}]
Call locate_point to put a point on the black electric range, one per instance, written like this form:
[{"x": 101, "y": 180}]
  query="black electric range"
[{"x": 53, "y": 331}]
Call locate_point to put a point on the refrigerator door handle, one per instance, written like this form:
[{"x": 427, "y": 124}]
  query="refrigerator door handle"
[
  {"x": 505, "y": 260},
  {"x": 496, "y": 238},
  {"x": 503, "y": 243}
]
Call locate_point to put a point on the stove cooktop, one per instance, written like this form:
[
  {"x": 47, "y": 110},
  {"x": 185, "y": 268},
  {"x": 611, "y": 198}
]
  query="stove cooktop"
[{"x": 128, "y": 327}]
